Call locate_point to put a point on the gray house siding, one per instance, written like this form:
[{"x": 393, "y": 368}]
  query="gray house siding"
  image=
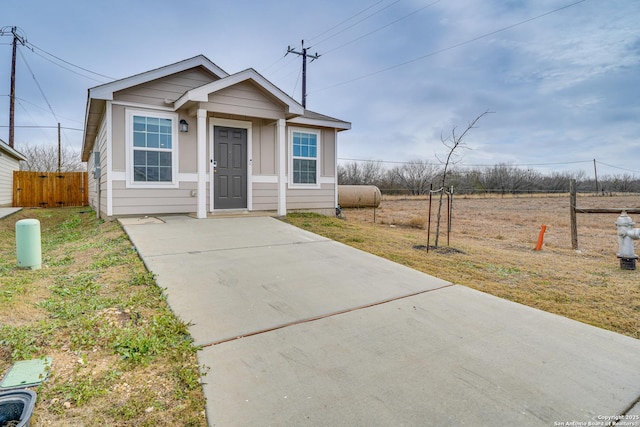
[
  {"x": 265, "y": 196},
  {"x": 264, "y": 151},
  {"x": 302, "y": 199},
  {"x": 244, "y": 99},
  {"x": 169, "y": 88},
  {"x": 140, "y": 201},
  {"x": 99, "y": 145}
]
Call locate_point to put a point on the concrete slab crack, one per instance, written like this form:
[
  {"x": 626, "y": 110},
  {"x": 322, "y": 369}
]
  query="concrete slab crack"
[
  {"x": 323, "y": 316},
  {"x": 622, "y": 419}
]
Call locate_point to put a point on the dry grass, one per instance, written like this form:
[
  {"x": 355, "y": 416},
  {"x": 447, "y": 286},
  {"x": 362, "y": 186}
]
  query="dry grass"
[{"x": 497, "y": 237}]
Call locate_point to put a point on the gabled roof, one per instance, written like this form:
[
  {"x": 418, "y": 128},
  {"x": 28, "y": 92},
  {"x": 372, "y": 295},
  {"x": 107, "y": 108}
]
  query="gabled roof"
[
  {"x": 107, "y": 90},
  {"x": 201, "y": 94},
  {"x": 98, "y": 95},
  {"x": 4, "y": 147}
]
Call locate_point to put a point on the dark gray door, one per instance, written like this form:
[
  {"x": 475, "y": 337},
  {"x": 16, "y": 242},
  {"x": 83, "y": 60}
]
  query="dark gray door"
[{"x": 230, "y": 171}]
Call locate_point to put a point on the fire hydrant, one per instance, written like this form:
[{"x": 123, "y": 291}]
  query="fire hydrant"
[{"x": 626, "y": 235}]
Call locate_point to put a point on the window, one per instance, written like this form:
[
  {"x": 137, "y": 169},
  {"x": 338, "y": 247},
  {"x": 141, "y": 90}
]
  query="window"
[
  {"x": 152, "y": 148},
  {"x": 305, "y": 157}
]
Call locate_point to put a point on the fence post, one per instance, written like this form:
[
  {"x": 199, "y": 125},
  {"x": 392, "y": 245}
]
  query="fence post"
[
  {"x": 374, "y": 206},
  {"x": 429, "y": 219},
  {"x": 450, "y": 215},
  {"x": 572, "y": 208}
]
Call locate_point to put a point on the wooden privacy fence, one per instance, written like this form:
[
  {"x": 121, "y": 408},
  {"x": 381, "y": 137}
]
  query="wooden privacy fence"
[{"x": 50, "y": 189}]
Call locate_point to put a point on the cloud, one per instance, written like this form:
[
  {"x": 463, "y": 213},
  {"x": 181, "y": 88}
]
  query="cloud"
[{"x": 563, "y": 86}]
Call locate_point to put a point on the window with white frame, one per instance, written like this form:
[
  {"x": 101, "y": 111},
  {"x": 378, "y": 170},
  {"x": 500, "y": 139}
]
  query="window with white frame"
[
  {"x": 152, "y": 141},
  {"x": 304, "y": 148}
]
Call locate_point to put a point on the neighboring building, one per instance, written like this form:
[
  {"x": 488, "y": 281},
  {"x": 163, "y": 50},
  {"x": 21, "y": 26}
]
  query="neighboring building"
[
  {"x": 190, "y": 138},
  {"x": 9, "y": 162}
]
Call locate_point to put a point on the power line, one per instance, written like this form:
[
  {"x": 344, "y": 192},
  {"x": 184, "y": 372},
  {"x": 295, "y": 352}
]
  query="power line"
[
  {"x": 329, "y": 30},
  {"x": 573, "y": 162},
  {"x": 618, "y": 167},
  {"x": 67, "y": 69},
  {"x": 485, "y": 35},
  {"x": 292, "y": 59},
  {"x": 29, "y": 114},
  {"x": 69, "y": 63},
  {"x": 357, "y": 22},
  {"x": 382, "y": 28},
  {"x": 346, "y": 20},
  {"x": 471, "y": 165},
  {"x": 264, "y": 70},
  {"x": 43, "y": 127},
  {"x": 39, "y": 87},
  {"x": 42, "y": 108},
  {"x": 296, "y": 85}
]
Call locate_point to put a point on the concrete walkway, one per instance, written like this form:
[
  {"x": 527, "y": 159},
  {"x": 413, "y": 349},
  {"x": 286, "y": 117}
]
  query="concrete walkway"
[
  {"x": 300, "y": 330},
  {"x": 4, "y": 212}
]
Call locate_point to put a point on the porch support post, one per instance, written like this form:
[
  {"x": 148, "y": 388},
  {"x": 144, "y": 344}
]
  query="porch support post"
[
  {"x": 201, "y": 144},
  {"x": 281, "y": 135}
]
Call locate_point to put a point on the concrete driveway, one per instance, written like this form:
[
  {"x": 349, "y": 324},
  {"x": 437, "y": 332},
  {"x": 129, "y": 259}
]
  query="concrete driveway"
[{"x": 300, "y": 330}]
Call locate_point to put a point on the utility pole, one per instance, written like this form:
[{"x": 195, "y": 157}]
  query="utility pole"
[
  {"x": 304, "y": 55},
  {"x": 595, "y": 172},
  {"x": 12, "y": 97},
  {"x": 59, "y": 150}
]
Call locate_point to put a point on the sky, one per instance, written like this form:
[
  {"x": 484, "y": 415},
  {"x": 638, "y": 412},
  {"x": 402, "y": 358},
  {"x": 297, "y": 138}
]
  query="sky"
[{"x": 561, "y": 78}]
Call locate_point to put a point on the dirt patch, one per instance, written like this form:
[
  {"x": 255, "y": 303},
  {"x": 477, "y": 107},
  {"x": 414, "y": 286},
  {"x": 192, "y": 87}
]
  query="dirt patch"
[{"x": 440, "y": 249}]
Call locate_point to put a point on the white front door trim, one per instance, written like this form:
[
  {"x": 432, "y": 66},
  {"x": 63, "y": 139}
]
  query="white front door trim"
[{"x": 240, "y": 124}]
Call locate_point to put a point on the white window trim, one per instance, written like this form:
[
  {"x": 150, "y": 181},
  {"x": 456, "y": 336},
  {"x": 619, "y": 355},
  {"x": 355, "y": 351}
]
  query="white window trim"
[
  {"x": 318, "y": 134},
  {"x": 130, "y": 183}
]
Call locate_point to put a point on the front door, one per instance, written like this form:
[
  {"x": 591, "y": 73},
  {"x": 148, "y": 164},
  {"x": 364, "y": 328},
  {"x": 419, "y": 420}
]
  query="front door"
[{"x": 230, "y": 168}]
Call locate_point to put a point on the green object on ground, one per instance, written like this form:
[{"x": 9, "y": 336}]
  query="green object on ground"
[
  {"x": 26, "y": 373},
  {"x": 28, "y": 244}
]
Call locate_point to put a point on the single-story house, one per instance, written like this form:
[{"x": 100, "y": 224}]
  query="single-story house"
[
  {"x": 190, "y": 138},
  {"x": 9, "y": 162}
]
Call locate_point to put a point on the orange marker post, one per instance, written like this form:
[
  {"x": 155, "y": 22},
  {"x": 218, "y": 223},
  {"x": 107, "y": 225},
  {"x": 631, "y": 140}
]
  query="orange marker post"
[{"x": 543, "y": 228}]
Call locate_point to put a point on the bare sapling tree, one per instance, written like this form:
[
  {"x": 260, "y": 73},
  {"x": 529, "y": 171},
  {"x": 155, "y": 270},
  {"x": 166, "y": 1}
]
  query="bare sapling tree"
[{"x": 453, "y": 142}]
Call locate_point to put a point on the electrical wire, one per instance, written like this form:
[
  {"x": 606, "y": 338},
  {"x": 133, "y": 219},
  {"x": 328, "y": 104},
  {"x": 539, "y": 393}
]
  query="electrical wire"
[
  {"x": 68, "y": 69},
  {"x": 345, "y": 21},
  {"x": 38, "y": 84},
  {"x": 329, "y": 30},
  {"x": 472, "y": 165},
  {"x": 356, "y": 23},
  {"x": 419, "y": 58},
  {"x": 296, "y": 85},
  {"x": 466, "y": 166},
  {"x": 381, "y": 28},
  {"x": 617, "y": 167},
  {"x": 275, "y": 73},
  {"x": 42, "y": 108},
  {"x": 69, "y": 63},
  {"x": 43, "y": 127},
  {"x": 32, "y": 119}
]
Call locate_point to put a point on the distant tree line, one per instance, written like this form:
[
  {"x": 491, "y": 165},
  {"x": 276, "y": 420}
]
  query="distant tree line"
[{"x": 415, "y": 178}]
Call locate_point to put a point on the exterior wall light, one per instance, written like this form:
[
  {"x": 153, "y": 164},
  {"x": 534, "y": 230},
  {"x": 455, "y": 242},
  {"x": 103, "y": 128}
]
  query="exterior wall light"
[{"x": 184, "y": 126}]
